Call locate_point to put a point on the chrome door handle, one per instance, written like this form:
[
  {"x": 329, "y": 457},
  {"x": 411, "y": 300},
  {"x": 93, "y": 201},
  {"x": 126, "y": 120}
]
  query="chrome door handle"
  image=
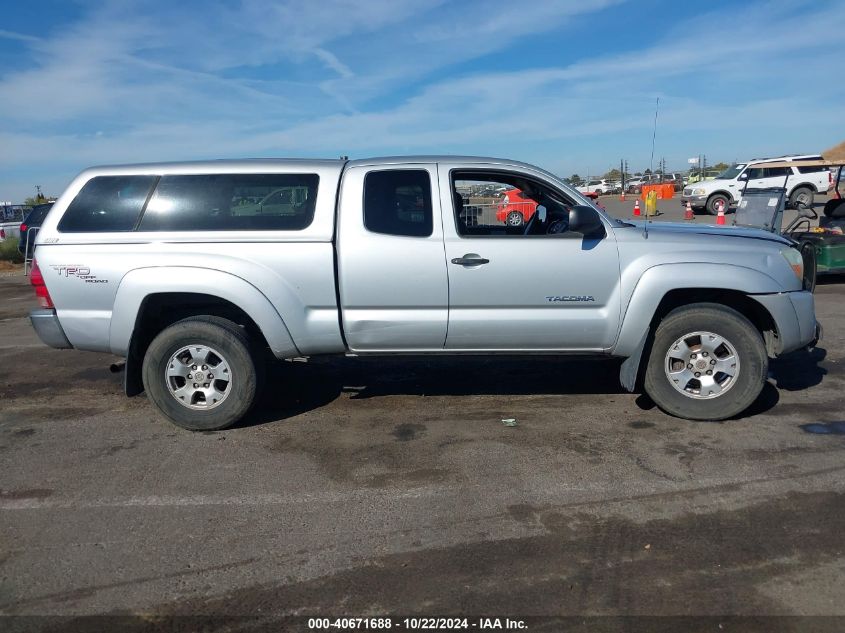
[{"x": 470, "y": 261}]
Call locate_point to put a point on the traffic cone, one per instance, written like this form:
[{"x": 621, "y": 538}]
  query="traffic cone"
[
  {"x": 637, "y": 209},
  {"x": 720, "y": 216},
  {"x": 688, "y": 214},
  {"x": 622, "y": 196}
]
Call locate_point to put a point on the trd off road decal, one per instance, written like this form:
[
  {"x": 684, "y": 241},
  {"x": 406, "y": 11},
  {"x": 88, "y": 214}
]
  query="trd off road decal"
[{"x": 80, "y": 272}]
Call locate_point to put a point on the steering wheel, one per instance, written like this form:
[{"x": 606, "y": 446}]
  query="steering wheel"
[{"x": 556, "y": 227}]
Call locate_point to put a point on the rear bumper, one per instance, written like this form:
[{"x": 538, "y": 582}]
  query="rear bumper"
[{"x": 49, "y": 330}]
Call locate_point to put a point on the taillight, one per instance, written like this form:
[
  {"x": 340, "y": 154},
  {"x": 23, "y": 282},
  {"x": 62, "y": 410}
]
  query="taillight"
[
  {"x": 23, "y": 229},
  {"x": 2, "y": 234},
  {"x": 37, "y": 280}
]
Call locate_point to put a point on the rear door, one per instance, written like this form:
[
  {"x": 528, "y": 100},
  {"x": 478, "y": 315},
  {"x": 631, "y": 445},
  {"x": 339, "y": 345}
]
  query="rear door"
[
  {"x": 392, "y": 279},
  {"x": 513, "y": 291}
]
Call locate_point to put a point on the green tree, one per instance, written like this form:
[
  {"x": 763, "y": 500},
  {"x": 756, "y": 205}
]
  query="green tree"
[
  {"x": 33, "y": 200},
  {"x": 613, "y": 174},
  {"x": 575, "y": 179},
  {"x": 720, "y": 166}
]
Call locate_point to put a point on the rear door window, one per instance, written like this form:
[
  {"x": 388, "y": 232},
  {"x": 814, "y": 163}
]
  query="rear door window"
[
  {"x": 232, "y": 202},
  {"x": 107, "y": 204},
  {"x": 811, "y": 170},
  {"x": 398, "y": 202},
  {"x": 778, "y": 172}
]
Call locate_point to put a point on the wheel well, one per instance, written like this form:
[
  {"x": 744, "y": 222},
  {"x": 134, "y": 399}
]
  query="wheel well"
[
  {"x": 739, "y": 301},
  {"x": 720, "y": 193},
  {"x": 804, "y": 185},
  {"x": 160, "y": 310}
]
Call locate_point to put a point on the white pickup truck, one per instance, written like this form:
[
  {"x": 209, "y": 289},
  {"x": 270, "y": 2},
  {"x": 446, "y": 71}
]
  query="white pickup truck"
[{"x": 192, "y": 271}]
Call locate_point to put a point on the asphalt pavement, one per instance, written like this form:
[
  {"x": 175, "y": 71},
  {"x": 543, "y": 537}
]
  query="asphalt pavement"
[{"x": 390, "y": 487}]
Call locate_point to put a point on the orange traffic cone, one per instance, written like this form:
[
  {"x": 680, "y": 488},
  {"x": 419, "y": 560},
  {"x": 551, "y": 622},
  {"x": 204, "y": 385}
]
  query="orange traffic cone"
[
  {"x": 637, "y": 208},
  {"x": 688, "y": 214},
  {"x": 622, "y": 195},
  {"x": 720, "y": 216}
]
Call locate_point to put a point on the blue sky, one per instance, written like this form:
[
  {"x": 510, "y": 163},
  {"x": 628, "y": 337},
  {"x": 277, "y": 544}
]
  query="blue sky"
[{"x": 569, "y": 85}]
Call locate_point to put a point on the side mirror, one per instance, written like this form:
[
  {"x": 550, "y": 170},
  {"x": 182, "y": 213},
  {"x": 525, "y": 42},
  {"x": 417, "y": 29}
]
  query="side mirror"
[
  {"x": 743, "y": 176},
  {"x": 587, "y": 221}
]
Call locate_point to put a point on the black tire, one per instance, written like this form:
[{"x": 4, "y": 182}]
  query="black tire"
[
  {"x": 232, "y": 343},
  {"x": 734, "y": 328},
  {"x": 808, "y": 255},
  {"x": 514, "y": 218},
  {"x": 712, "y": 205},
  {"x": 801, "y": 195}
]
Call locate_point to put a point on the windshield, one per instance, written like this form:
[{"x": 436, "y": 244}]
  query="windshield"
[{"x": 731, "y": 172}]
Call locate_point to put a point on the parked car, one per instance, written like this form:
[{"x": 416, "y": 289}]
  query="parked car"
[
  {"x": 674, "y": 179},
  {"x": 635, "y": 185},
  {"x": 9, "y": 229},
  {"x": 152, "y": 263},
  {"x": 31, "y": 225},
  {"x": 516, "y": 208},
  {"x": 802, "y": 183},
  {"x": 599, "y": 187},
  {"x": 709, "y": 174}
]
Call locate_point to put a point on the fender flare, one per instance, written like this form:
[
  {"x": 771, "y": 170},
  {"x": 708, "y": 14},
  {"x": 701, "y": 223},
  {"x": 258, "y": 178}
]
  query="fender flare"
[
  {"x": 140, "y": 283},
  {"x": 652, "y": 287},
  {"x": 803, "y": 185}
]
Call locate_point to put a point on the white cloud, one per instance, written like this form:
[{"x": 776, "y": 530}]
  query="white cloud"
[{"x": 310, "y": 78}]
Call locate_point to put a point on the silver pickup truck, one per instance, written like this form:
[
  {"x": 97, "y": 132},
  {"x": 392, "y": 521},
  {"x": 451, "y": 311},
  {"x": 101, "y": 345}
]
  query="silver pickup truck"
[{"x": 192, "y": 271}]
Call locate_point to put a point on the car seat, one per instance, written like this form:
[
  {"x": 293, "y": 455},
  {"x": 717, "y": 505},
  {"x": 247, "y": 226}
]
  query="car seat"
[{"x": 834, "y": 214}]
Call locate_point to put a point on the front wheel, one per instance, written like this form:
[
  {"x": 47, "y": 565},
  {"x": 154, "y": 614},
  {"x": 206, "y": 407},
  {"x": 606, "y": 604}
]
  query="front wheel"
[
  {"x": 708, "y": 362},
  {"x": 201, "y": 373},
  {"x": 712, "y": 205}
]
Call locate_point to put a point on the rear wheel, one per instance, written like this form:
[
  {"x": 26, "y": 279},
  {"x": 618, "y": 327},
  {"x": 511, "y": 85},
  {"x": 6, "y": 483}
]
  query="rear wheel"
[
  {"x": 515, "y": 219},
  {"x": 708, "y": 362},
  {"x": 201, "y": 373},
  {"x": 801, "y": 197}
]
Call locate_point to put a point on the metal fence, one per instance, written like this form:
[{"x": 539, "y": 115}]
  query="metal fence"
[{"x": 495, "y": 213}]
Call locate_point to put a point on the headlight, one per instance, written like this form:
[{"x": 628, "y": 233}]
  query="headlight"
[
  {"x": 796, "y": 262},
  {"x": 699, "y": 192}
]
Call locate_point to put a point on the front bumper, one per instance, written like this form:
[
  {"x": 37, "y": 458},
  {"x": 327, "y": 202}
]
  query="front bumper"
[
  {"x": 696, "y": 202},
  {"x": 794, "y": 314},
  {"x": 49, "y": 330}
]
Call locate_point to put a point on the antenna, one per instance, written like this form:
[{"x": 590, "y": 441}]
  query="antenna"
[
  {"x": 654, "y": 136},
  {"x": 651, "y": 162}
]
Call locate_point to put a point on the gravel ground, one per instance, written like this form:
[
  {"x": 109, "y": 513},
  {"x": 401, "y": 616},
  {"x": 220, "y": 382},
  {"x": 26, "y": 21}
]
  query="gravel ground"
[{"x": 391, "y": 487}]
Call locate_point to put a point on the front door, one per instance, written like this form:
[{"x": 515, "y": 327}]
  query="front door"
[
  {"x": 394, "y": 292},
  {"x": 533, "y": 287}
]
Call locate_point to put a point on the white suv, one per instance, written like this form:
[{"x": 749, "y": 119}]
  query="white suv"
[
  {"x": 597, "y": 186},
  {"x": 801, "y": 185}
]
